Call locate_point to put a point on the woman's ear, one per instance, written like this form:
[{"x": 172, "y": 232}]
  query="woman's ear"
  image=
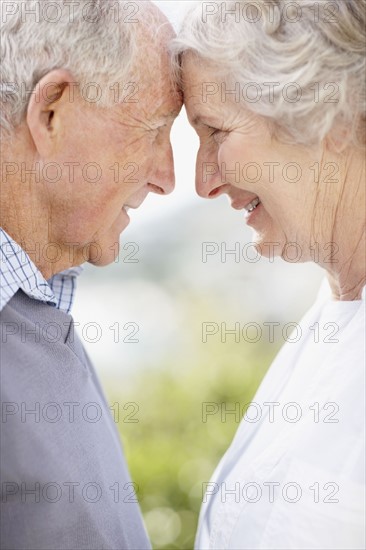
[{"x": 44, "y": 109}]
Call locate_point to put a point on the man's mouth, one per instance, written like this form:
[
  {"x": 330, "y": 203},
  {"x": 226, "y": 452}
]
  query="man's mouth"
[
  {"x": 130, "y": 206},
  {"x": 252, "y": 205}
]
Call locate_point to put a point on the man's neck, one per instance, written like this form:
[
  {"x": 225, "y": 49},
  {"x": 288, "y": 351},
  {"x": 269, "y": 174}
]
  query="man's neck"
[{"x": 24, "y": 216}]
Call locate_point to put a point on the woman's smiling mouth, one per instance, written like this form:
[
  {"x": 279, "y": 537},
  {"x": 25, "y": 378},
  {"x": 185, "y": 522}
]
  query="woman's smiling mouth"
[{"x": 252, "y": 205}]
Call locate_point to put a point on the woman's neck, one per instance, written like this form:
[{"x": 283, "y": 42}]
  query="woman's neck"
[{"x": 347, "y": 272}]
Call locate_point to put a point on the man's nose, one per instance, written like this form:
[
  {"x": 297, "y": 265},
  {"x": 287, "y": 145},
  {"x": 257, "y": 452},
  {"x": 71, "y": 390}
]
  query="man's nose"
[{"x": 163, "y": 178}]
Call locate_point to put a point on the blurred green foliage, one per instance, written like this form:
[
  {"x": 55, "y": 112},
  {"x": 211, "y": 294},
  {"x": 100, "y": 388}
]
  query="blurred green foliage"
[{"x": 173, "y": 449}]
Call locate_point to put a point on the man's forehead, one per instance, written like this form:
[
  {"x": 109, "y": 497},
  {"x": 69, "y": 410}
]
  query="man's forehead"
[
  {"x": 157, "y": 94},
  {"x": 164, "y": 107},
  {"x": 160, "y": 95},
  {"x": 154, "y": 31},
  {"x": 154, "y": 105}
]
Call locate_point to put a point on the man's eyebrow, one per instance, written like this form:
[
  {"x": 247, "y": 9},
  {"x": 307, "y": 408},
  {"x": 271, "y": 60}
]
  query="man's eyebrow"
[
  {"x": 158, "y": 119},
  {"x": 173, "y": 114},
  {"x": 161, "y": 120}
]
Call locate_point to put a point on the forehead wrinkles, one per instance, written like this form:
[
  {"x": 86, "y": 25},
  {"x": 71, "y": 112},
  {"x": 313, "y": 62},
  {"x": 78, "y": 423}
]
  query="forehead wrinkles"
[
  {"x": 153, "y": 34},
  {"x": 193, "y": 86},
  {"x": 158, "y": 97},
  {"x": 152, "y": 70},
  {"x": 200, "y": 108},
  {"x": 203, "y": 97}
]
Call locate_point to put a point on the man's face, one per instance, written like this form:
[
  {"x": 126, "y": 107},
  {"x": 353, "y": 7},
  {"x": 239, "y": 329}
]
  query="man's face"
[{"x": 111, "y": 158}]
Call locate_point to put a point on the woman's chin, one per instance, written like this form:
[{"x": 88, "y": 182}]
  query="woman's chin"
[{"x": 267, "y": 245}]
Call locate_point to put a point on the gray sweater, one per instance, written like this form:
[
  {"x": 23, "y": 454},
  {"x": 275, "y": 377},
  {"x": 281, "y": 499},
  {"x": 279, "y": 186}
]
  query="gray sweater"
[{"x": 64, "y": 480}]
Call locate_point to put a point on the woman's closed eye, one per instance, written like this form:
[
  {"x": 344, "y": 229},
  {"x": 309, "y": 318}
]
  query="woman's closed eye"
[
  {"x": 216, "y": 133},
  {"x": 212, "y": 130}
]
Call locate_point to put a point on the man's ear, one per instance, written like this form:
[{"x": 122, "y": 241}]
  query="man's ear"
[{"x": 43, "y": 113}]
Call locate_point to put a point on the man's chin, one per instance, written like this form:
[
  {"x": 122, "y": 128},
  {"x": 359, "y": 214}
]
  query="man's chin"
[
  {"x": 101, "y": 256},
  {"x": 102, "y": 263}
]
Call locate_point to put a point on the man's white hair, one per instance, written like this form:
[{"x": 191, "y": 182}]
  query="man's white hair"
[
  {"x": 300, "y": 64},
  {"x": 94, "y": 39}
]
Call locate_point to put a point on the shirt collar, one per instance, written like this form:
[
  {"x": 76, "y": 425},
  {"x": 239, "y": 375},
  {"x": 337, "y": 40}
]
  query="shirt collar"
[{"x": 17, "y": 271}]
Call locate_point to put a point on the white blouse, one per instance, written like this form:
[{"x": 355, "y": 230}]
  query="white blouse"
[{"x": 295, "y": 478}]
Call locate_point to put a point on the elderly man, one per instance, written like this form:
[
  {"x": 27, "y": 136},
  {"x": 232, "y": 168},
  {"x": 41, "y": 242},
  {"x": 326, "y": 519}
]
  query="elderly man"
[{"x": 88, "y": 100}]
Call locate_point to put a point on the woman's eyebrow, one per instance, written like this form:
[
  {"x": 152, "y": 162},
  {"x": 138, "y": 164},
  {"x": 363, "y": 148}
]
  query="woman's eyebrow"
[
  {"x": 196, "y": 120},
  {"x": 207, "y": 121}
]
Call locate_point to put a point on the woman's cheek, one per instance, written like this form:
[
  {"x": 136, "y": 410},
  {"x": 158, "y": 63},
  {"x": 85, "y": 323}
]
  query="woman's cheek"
[
  {"x": 230, "y": 162},
  {"x": 241, "y": 164}
]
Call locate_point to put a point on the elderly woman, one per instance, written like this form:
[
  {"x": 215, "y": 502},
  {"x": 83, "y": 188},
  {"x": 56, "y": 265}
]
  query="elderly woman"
[{"x": 276, "y": 92}]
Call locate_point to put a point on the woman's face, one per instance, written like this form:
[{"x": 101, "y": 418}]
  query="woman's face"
[{"x": 239, "y": 156}]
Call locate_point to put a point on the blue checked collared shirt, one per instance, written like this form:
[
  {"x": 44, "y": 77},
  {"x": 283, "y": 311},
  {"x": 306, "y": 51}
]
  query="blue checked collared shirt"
[{"x": 17, "y": 271}]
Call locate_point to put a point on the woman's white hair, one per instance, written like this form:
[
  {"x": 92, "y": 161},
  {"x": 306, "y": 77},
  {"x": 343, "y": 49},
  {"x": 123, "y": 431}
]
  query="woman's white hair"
[
  {"x": 300, "y": 64},
  {"x": 94, "y": 39}
]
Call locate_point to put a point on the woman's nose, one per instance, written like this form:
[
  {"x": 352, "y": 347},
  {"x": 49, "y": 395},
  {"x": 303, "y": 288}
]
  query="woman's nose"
[{"x": 209, "y": 182}]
